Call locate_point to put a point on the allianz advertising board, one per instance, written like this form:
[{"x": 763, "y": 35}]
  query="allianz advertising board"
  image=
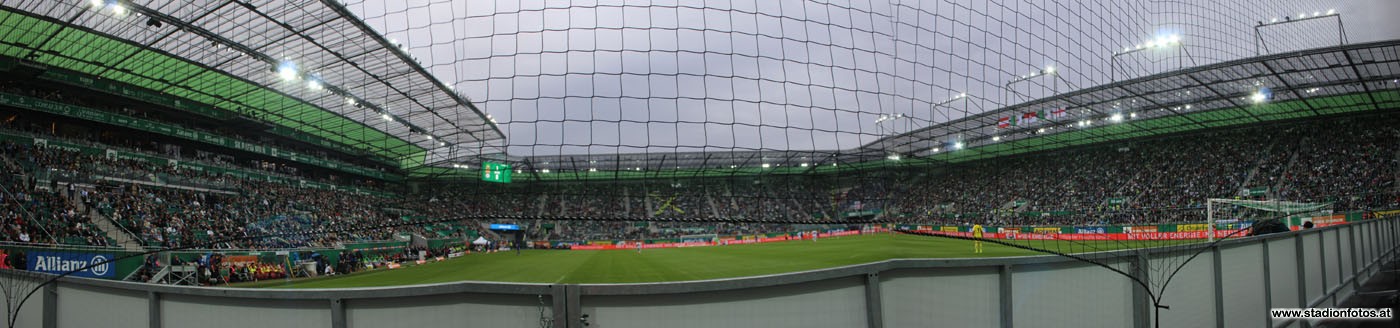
[{"x": 60, "y": 263}]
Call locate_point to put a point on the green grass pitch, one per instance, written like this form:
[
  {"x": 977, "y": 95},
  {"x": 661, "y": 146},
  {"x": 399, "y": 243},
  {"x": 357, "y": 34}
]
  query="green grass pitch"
[{"x": 670, "y": 264}]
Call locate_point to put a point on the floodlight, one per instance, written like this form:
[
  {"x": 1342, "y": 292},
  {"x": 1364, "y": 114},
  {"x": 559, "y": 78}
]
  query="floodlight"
[
  {"x": 1258, "y": 97},
  {"x": 996, "y": 138},
  {"x": 287, "y": 70},
  {"x": 1263, "y": 95},
  {"x": 1117, "y": 117}
]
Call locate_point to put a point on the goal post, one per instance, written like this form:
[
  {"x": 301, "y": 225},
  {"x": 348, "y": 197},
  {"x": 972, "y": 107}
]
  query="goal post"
[{"x": 1239, "y": 210}]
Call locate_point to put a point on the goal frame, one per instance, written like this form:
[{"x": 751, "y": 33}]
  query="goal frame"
[{"x": 1210, "y": 211}]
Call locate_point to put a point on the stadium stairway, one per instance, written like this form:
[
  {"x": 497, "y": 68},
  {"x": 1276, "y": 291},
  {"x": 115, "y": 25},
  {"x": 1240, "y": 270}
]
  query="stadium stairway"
[
  {"x": 126, "y": 239},
  {"x": 710, "y": 205},
  {"x": 1380, "y": 291},
  {"x": 157, "y": 278},
  {"x": 1255, "y": 170},
  {"x": 1292, "y": 159}
]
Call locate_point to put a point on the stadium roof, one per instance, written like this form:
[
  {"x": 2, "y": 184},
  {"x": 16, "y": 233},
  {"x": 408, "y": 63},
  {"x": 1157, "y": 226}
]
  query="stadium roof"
[
  {"x": 1310, "y": 83},
  {"x": 307, "y": 65},
  {"x": 1301, "y": 84}
]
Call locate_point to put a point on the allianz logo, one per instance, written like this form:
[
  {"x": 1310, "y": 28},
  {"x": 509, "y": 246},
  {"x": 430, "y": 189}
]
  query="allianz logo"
[{"x": 99, "y": 264}]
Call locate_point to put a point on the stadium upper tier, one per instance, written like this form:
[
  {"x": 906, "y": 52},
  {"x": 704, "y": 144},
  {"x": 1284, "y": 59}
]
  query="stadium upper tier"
[
  {"x": 1318, "y": 82},
  {"x": 308, "y": 66}
]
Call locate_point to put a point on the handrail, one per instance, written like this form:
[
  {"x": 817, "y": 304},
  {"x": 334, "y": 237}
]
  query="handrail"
[
  {"x": 30, "y": 216},
  {"x": 113, "y": 221}
]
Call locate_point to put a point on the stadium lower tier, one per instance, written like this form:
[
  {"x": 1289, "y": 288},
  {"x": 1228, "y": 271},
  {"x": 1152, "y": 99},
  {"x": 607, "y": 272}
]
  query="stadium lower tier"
[
  {"x": 76, "y": 192},
  {"x": 351, "y": 257}
]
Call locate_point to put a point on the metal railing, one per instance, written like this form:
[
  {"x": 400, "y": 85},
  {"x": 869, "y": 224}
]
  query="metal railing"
[{"x": 1221, "y": 287}]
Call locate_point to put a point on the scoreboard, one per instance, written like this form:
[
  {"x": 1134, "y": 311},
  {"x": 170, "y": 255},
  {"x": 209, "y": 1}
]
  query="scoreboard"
[
  {"x": 495, "y": 172},
  {"x": 505, "y": 227}
]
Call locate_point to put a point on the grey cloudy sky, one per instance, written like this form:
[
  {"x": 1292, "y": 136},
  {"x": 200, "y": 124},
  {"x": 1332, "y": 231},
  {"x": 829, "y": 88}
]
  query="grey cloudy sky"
[{"x": 604, "y": 76}]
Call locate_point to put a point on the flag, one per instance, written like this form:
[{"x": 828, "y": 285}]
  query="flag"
[
  {"x": 1058, "y": 113},
  {"x": 1005, "y": 122},
  {"x": 1030, "y": 118}
]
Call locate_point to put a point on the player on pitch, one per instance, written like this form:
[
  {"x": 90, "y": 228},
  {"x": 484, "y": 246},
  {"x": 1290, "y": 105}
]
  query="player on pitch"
[{"x": 977, "y": 233}]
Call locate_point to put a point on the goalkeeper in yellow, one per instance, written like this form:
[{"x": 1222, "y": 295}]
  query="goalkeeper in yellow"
[{"x": 977, "y": 233}]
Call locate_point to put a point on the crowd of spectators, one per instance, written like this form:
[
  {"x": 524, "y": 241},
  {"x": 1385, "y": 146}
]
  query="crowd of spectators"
[
  {"x": 1165, "y": 179},
  {"x": 154, "y": 113},
  {"x": 1158, "y": 180},
  {"x": 46, "y": 216},
  {"x": 176, "y": 216}
]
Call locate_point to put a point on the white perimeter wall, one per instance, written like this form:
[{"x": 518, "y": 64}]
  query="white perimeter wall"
[{"x": 1231, "y": 284}]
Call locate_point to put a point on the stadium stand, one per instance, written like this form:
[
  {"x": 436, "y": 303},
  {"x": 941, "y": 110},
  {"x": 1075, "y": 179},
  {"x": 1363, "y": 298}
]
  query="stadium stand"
[{"x": 1139, "y": 181}]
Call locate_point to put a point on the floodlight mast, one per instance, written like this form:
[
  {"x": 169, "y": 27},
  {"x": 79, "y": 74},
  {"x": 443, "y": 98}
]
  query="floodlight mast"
[
  {"x": 1160, "y": 42},
  {"x": 1049, "y": 70},
  {"x": 1260, "y": 45},
  {"x": 910, "y": 119}
]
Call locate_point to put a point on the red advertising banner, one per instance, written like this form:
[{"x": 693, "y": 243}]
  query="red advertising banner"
[
  {"x": 1319, "y": 221},
  {"x": 598, "y": 245},
  {"x": 1045, "y": 234},
  {"x": 233, "y": 260},
  {"x": 1102, "y": 236}
]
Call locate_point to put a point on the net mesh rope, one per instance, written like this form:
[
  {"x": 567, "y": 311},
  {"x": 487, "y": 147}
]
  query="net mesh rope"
[
  {"x": 633, "y": 121},
  {"x": 727, "y": 91}
]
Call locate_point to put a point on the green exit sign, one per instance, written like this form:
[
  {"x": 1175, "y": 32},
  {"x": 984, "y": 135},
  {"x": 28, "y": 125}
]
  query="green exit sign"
[{"x": 495, "y": 172}]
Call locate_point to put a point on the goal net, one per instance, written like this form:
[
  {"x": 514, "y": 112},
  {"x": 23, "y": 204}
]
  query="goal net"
[{"x": 1224, "y": 217}]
